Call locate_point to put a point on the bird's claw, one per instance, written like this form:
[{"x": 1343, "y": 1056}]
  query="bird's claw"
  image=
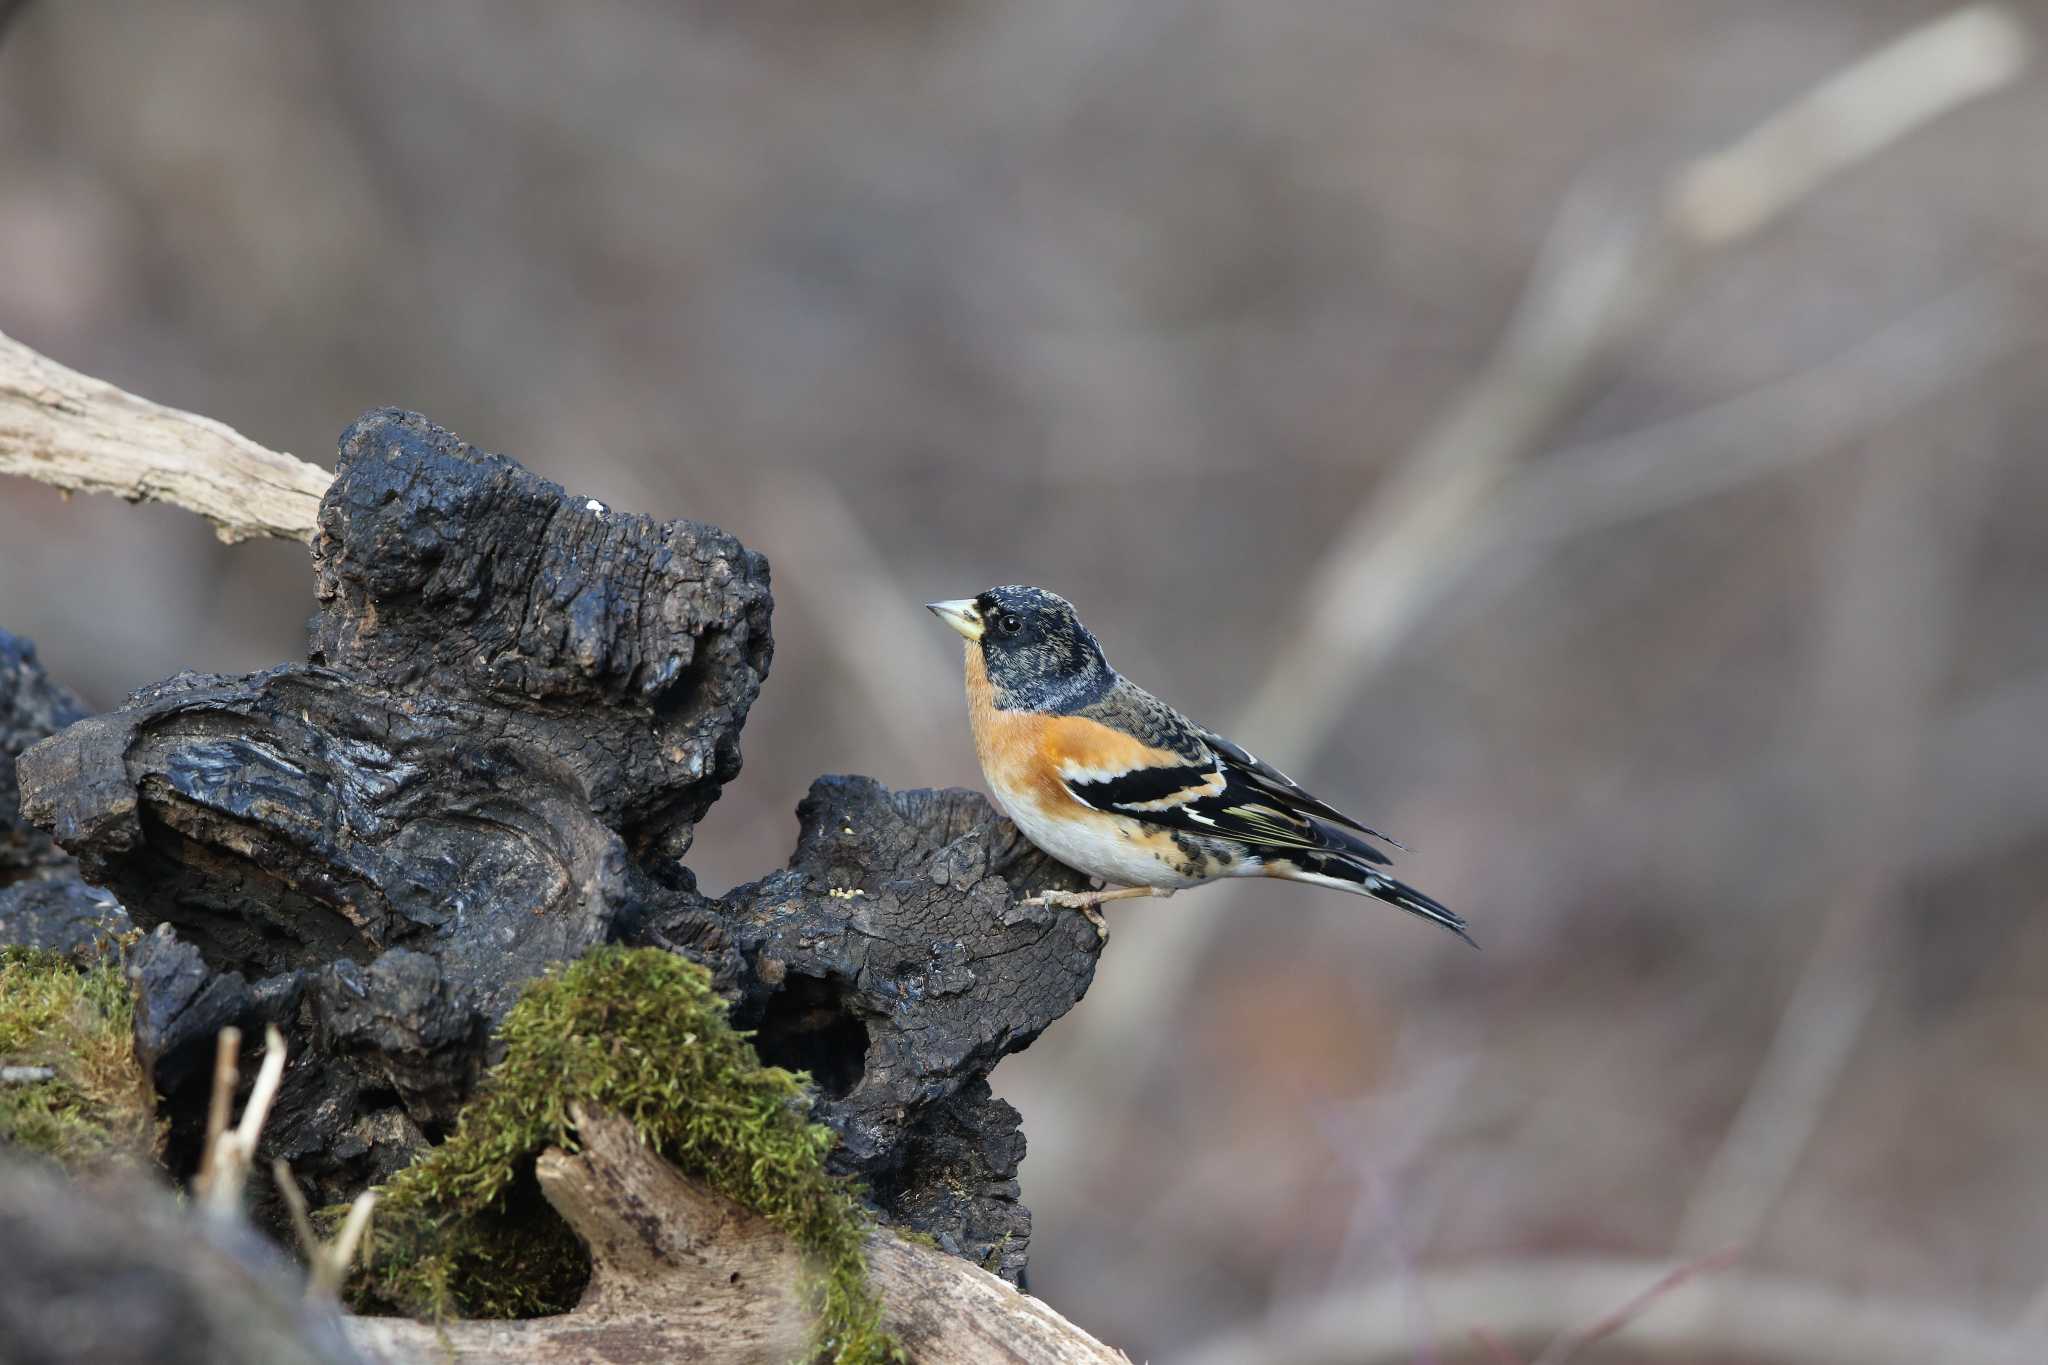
[{"x": 1084, "y": 901}]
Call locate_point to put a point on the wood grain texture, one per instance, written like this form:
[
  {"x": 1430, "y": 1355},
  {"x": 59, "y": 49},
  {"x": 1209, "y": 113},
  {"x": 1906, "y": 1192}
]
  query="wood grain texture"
[{"x": 85, "y": 435}]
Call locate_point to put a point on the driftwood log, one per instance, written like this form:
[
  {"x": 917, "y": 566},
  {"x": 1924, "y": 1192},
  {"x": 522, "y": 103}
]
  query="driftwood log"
[
  {"x": 677, "y": 1269},
  {"x": 517, "y": 703}
]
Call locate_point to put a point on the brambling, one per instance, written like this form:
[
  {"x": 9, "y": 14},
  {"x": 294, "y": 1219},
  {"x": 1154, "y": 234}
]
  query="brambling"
[{"x": 1113, "y": 782}]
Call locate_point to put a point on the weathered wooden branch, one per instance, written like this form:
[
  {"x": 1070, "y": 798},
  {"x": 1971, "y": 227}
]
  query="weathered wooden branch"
[
  {"x": 676, "y": 1266},
  {"x": 81, "y": 434}
]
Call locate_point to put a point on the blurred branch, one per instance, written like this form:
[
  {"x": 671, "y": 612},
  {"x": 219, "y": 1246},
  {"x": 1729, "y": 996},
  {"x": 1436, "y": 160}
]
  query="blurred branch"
[
  {"x": 1889, "y": 594},
  {"x": 327, "y": 1264},
  {"x": 1940, "y": 66},
  {"x": 1592, "y": 287},
  {"x": 1733, "y": 1316},
  {"x": 1569, "y": 1344},
  {"x": 85, "y": 435},
  {"x": 832, "y": 566},
  {"x": 1768, "y": 431}
]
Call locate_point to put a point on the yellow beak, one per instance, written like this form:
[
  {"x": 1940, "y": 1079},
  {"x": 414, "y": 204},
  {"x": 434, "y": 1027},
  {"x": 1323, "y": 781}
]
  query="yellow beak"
[{"x": 959, "y": 614}]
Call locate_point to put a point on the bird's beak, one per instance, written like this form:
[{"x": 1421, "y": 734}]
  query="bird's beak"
[{"x": 959, "y": 614}]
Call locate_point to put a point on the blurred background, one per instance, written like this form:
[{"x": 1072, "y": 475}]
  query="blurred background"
[{"x": 1685, "y": 614}]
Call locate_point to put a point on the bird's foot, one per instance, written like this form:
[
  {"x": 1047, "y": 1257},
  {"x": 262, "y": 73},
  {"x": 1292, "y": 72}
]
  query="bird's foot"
[{"x": 1088, "y": 901}]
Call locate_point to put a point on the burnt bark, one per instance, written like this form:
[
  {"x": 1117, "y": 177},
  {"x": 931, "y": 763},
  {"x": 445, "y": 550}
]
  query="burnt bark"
[
  {"x": 893, "y": 962},
  {"x": 517, "y": 705},
  {"x": 43, "y": 901},
  {"x": 32, "y": 708},
  {"x": 625, "y": 650}
]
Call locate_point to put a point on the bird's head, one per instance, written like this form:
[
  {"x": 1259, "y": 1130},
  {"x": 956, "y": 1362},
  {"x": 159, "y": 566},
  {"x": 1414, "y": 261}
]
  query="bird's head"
[{"x": 1038, "y": 655}]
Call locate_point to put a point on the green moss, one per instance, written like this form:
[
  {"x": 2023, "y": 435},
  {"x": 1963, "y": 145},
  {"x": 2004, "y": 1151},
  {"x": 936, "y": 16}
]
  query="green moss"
[
  {"x": 641, "y": 1033},
  {"x": 98, "y": 1107}
]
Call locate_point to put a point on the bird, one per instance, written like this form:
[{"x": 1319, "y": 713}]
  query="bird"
[{"x": 1108, "y": 779}]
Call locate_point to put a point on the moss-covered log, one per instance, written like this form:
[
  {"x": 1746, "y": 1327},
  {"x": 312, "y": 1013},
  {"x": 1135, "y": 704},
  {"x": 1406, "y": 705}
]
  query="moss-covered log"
[
  {"x": 640, "y": 1034},
  {"x": 680, "y": 1270}
]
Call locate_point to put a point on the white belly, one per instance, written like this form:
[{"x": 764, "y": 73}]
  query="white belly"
[{"x": 1119, "y": 850}]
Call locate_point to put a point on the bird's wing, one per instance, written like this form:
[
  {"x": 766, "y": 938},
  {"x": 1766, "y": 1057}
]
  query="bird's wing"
[
  {"x": 1168, "y": 771},
  {"x": 1284, "y": 789},
  {"x": 1134, "y": 756}
]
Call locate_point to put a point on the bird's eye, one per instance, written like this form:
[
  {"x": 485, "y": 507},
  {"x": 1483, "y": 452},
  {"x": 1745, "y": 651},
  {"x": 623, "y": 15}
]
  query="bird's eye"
[{"x": 1009, "y": 623}]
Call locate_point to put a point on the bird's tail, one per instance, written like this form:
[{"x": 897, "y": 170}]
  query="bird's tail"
[{"x": 1344, "y": 872}]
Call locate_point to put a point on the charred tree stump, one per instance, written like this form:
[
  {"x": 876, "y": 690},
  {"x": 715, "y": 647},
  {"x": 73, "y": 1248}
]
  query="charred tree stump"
[
  {"x": 892, "y": 961},
  {"x": 517, "y": 705}
]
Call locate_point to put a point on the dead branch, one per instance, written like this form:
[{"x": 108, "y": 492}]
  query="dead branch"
[
  {"x": 327, "y": 1263},
  {"x": 224, "y": 1168},
  {"x": 675, "y": 1266},
  {"x": 84, "y": 435}
]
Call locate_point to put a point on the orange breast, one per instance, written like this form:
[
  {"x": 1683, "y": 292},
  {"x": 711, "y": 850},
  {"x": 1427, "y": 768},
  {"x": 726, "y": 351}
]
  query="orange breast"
[{"x": 1023, "y": 754}]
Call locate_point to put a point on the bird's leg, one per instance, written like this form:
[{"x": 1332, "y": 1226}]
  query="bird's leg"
[{"x": 1086, "y": 901}]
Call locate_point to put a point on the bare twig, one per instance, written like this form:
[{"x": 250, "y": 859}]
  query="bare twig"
[
  {"x": 227, "y": 1049},
  {"x": 263, "y": 1094},
  {"x": 330, "y": 1267},
  {"x": 26, "y": 1075},
  {"x": 1527, "y": 1303},
  {"x": 295, "y": 1203},
  {"x": 83, "y": 434},
  {"x": 224, "y": 1166}
]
